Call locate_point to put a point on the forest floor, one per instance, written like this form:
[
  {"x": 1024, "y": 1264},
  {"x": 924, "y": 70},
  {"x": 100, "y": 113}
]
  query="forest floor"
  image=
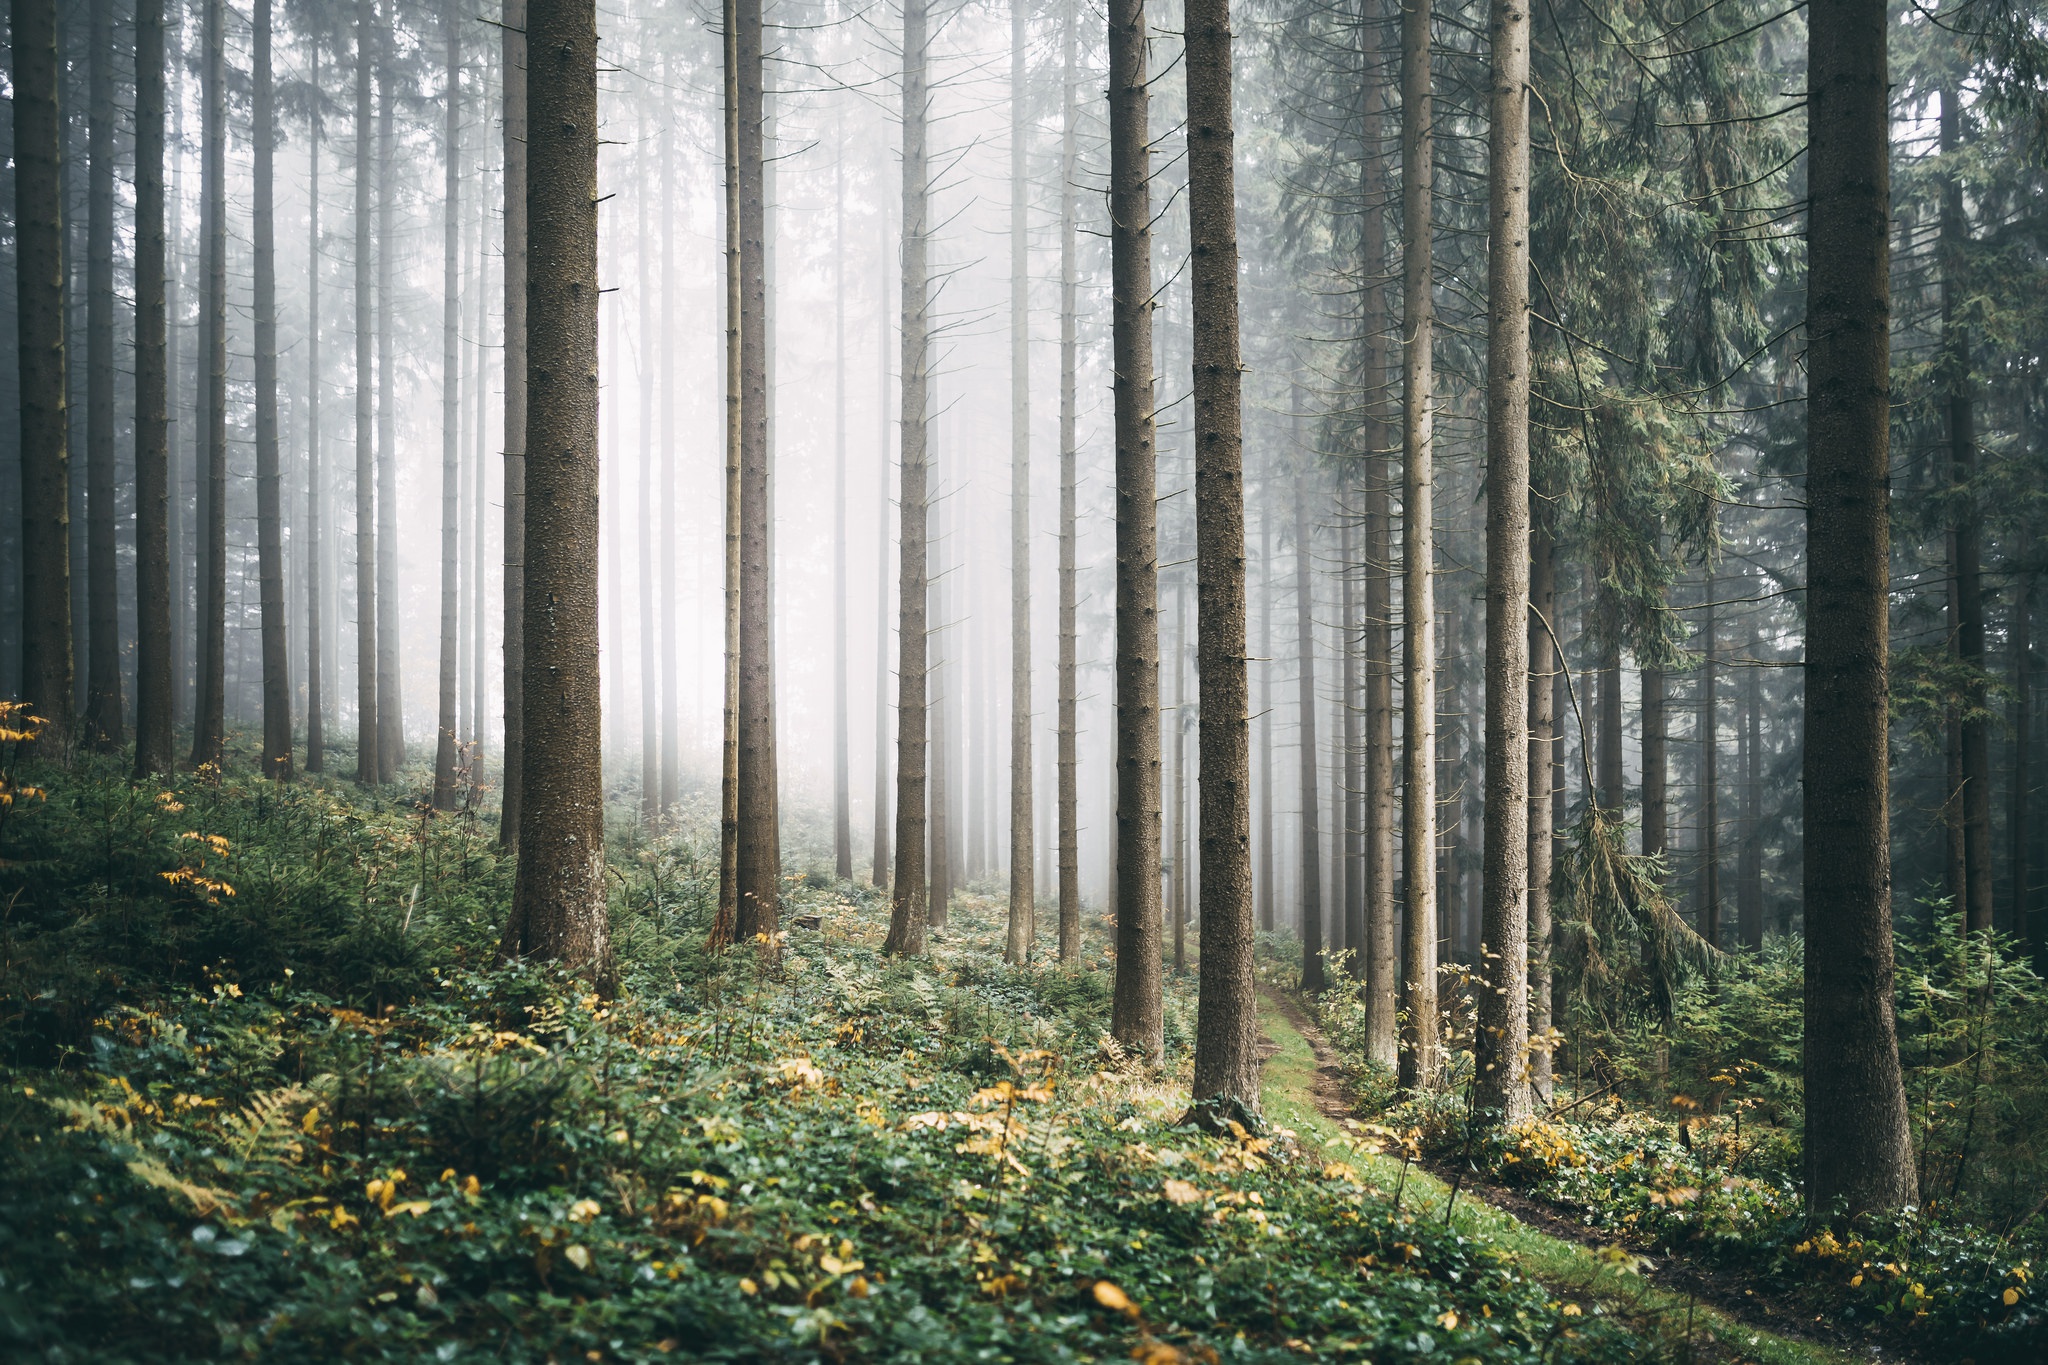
[{"x": 1305, "y": 1091}]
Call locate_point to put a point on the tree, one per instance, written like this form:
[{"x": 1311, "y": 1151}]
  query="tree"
[
  {"x": 1545, "y": 663},
  {"x": 1136, "y": 1018},
  {"x": 1418, "y": 1042},
  {"x": 1312, "y": 978},
  {"x": 1226, "y": 1030},
  {"x": 650, "y": 641},
  {"x": 209, "y": 717},
  {"x": 368, "y": 769},
  {"x": 447, "y": 740},
  {"x": 671, "y": 680},
  {"x": 390, "y": 692},
  {"x": 277, "y": 681},
  {"x": 1069, "y": 799},
  {"x": 878, "y": 872},
  {"x": 46, "y": 669},
  {"x": 517, "y": 252},
  {"x": 1858, "y": 1148},
  {"x": 558, "y": 895},
  {"x": 1023, "y": 925},
  {"x": 153, "y": 738},
  {"x": 103, "y": 721},
  {"x": 842, "y": 771},
  {"x": 908, "y": 910},
  {"x": 1501, "y": 1037},
  {"x": 316, "y": 473}
]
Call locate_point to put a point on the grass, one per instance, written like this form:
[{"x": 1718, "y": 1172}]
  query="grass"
[{"x": 1567, "y": 1268}]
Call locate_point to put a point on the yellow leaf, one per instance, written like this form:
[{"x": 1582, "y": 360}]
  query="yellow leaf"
[
  {"x": 2011, "y": 1297},
  {"x": 749, "y": 1287},
  {"x": 1448, "y": 1321},
  {"x": 1181, "y": 1192},
  {"x": 1110, "y": 1297},
  {"x": 578, "y": 1257},
  {"x": 583, "y": 1210}
]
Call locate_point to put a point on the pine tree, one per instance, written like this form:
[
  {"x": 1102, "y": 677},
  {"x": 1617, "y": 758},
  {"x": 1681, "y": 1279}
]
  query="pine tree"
[
  {"x": 153, "y": 738},
  {"x": 277, "y": 686}
]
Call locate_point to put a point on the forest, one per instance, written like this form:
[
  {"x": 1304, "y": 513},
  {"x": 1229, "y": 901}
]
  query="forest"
[{"x": 1023, "y": 680}]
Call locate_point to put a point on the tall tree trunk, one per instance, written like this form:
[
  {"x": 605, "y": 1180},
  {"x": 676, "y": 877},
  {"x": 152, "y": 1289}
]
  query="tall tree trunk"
[
  {"x": 1710, "y": 773},
  {"x": 367, "y": 769},
  {"x": 1656, "y": 764},
  {"x": 758, "y": 865},
  {"x": 1858, "y": 1148},
  {"x": 1351, "y": 710},
  {"x": 1609, "y": 780},
  {"x": 1418, "y": 1041},
  {"x": 277, "y": 672},
  {"x": 1501, "y": 1040},
  {"x": 390, "y": 689},
  {"x": 1975, "y": 725},
  {"x": 908, "y": 910},
  {"x": 726, "y": 924},
  {"x": 1023, "y": 925},
  {"x": 1544, "y": 665},
  {"x": 939, "y": 900},
  {"x": 1136, "y": 1018},
  {"x": 447, "y": 726},
  {"x": 1069, "y": 758},
  {"x": 479, "y": 497},
  {"x": 209, "y": 715},
  {"x": 153, "y": 696},
  {"x": 516, "y": 255},
  {"x": 2019, "y": 821},
  {"x": 842, "y": 763},
  {"x": 884, "y": 815},
  {"x": 558, "y": 897},
  {"x": 46, "y": 669},
  {"x": 1749, "y": 867},
  {"x": 316, "y": 568},
  {"x": 1177, "y": 826},
  {"x": 671, "y": 669},
  {"x": 650, "y": 586},
  {"x": 103, "y": 719},
  {"x": 1226, "y": 1026},
  {"x": 1311, "y": 900},
  {"x": 1268, "y": 853}
]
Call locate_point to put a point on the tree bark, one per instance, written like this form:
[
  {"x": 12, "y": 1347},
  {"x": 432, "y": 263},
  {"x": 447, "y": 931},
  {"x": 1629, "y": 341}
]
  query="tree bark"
[
  {"x": 650, "y": 586},
  {"x": 1351, "y": 710},
  {"x": 1710, "y": 772},
  {"x": 908, "y": 910},
  {"x": 368, "y": 771},
  {"x": 1226, "y": 1027},
  {"x": 104, "y": 729},
  {"x": 277, "y": 672},
  {"x": 1268, "y": 853},
  {"x": 1068, "y": 779},
  {"x": 517, "y": 252},
  {"x": 842, "y": 763},
  {"x": 671, "y": 669},
  {"x": 1544, "y": 665},
  {"x": 447, "y": 725},
  {"x": 2019, "y": 820},
  {"x": 209, "y": 714},
  {"x": 1656, "y": 765},
  {"x": 1023, "y": 924},
  {"x": 153, "y": 739},
  {"x": 316, "y": 568},
  {"x": 884, "y": 816},
  {"x": 939, "y": 860},
  {"x": 1312, "y": 976},
  {"x": 726, "y": 924},
  {"x": 1749, "y": 891},
  {"x": 1858, "y": 1148},
  {"x": 1136, "y": 1018},
  {"x": 390, "y": 689},
  {"x": 558, "y": 897},
  {"x": 1418, "y": 1041},
  {"x": 1607, "y": 755},
  {"x": 1176, "y": 722},
  {"x": 1501, "y": 1042}
]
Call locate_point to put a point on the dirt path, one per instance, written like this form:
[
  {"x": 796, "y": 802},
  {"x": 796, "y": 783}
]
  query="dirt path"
[{"x": 1744, "y": 1305}]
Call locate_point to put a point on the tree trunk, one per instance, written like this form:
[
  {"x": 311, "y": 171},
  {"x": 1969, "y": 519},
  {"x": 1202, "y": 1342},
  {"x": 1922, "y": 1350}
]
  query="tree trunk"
[
  {"x": 1177, "y": 826},
  {"x": 153, "y": 740},
  {"x": 2019, "y": 820},
  {"x": 726, "y": 924},
  {"x": 479, "y": 497},
  {"x": 1312, "y": 978},
  {"x": 1500, "y": 1048},
  {"x": 209, "y": 714},
  {"x": 879, "y": 874},
  {"x": 1418, "y": 1041},
  {"x": 1544, "y": 664},
  {"x": 1656, "y": 764},
  {"x": 1710, "y": 773},
  {"x": 103, "y": 718},
  {"x": 277, "y": 673},
  {"x": 316, "y": 568},
  {"x": 842, "y": 763},
  {"x": 1858, "y": 1149},
  {"x": 1609, "y": 778},
  {"x": 908, "y": 910},
  {"x": 1069, "y": 757},
  {"x": 1136, "y": 1018},
  {"x": 1268, "y": 854},
  {"x": 517, "y": 251},
  {"x": 181, "y": 513},
  {"x": 448, "y": 737},
  {"x": 671, "y": 669},
  {"x": 1023, "y": 925},
  {"x": 1351, "y": 708},
  {"x": 1749, "y": 867},
  {"x": 390, "y": 690},
  {"x": 367, "y": 770},
  {"x": 650, "y": 586},
  {"x": 558, "y": 898},
  {"x": 1226, "y": 1028},
  {"x": 939, "y": 899}
]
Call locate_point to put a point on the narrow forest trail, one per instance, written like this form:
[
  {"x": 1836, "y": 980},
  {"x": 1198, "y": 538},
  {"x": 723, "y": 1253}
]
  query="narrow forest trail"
[{"x": 1303, "y": 1091}]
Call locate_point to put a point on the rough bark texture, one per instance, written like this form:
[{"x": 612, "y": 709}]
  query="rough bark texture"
[
  {"x": 103, "y": 720},
  {"x": 516, "y": 255},
  {"x": 1023, "y": 925},
  {"x": 153, "y": 740},
  {"x": 907, "y": 904},
  {"x": 447, "y": 732},
  {"x": 1543, "y": 671},
  {"x": 558, "y": 899},
  {"x": 725, "y": 924},
  {"x": 1382, "y": 969},
  {"x": 1351, "y": 747},
  {"x": 2017, "y": 822},
  {"x": 209, "y": 709},
  {"x": 277, "y": 669},
  {"x": 316, "y": 472},
  {"x": 1268, "y": 854},
  {"x": 1501, "y": 1044},
  {"x": 367, "y": 770},
  {"x": 1710, "y": 772},
  {"x": 1311, "y": 907},
  {"x": 46, "y": 669},
  {"x": 1858, "y": 1148},
  {"x": 1749, "y": 886},
  {"x": 1069, "y": 759},
  {"x": 1226, "y": 1029},
  {"x": 1136, "y": 1018},
  {"x": 1656, "y": 764},
  {"x": 1418, "y": 1041},
  {"x": 390, "y": 690}
]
